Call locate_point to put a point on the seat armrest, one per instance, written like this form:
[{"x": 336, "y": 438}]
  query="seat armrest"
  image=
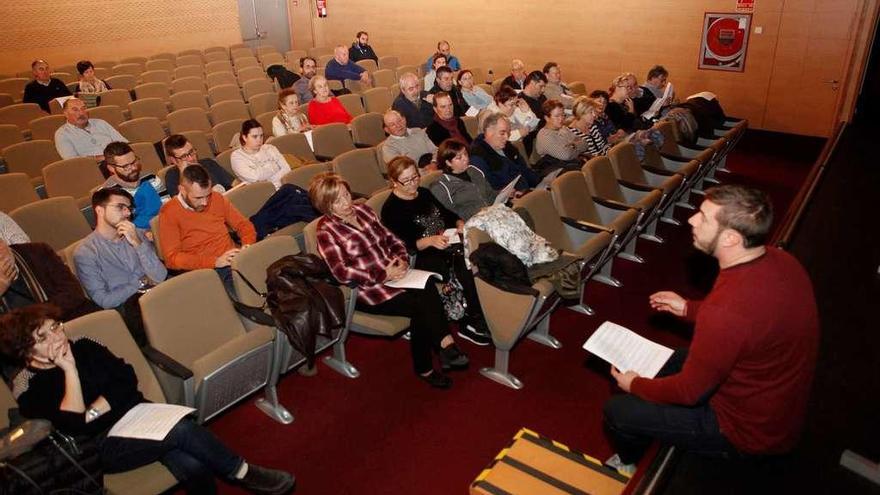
[
  {"x": 166, "y": 363},
  {"x": 362, "y": 145},
  {"x": 675, "y": 158},
  {"x": 586, "y": 226},
  {"x": 658, "y": 171},
  {"x": 615, "y": 205},
  {"x": 323, "y": 158},
  {"x": 637, "y": 187}
]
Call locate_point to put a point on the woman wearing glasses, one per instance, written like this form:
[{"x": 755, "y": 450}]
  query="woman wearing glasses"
[{"x": 359, "y": 249}]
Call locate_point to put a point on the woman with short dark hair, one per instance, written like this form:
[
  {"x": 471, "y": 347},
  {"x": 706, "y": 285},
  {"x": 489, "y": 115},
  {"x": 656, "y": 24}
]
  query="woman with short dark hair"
[{"x": 88, "y": 82}]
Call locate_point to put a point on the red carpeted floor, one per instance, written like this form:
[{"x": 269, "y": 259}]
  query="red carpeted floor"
[{"x": 387, "y": 432}]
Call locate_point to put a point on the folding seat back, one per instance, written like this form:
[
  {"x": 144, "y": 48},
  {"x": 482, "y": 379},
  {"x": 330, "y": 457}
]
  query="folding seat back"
[
  {"x": 302, "y": 176},
  {"x": 75, "y": 177},
  {"x": 145, "y": 129},
  {"x": 293, "y": 56},
  {"x": 6, "y": 100},
  {"x": 331, "y": 140},
  {"x": 605, "y": 188},
  {"x": 161, "y": 64},
  {"x": 270, "y": 59},
  {"x": 367, "y": 129},
  {"x": 471, "y": 123},
  {"x": 377, "y": 201},
  {"x": 134, "y": 60},
  {"x": 262, "y": 103},
  {"x": 118, "y": 97},
  {"x": 182, "y": 71},
  {"x": 217, "y": 49},
  {"x": 320, "y": 51},
  {"x": 368, "y": 64},
  {"x": 479, "y": 75},
  {"x": 191, "y": 59},
  {"x": 249, "y": 198},
  {"x": 226, "y": 362},
  {"x": 122, "y": 81},
  {"x": 64, "y": 77},
  {"x": 17, "y": 191},
  {"x": 45, "y": 127},
  {"x": 224, "y": 132},
  {"x": 130, "y": 69},
  {"x": 323, "y": 59},
  {"x": 189, "y": 119},
  {"x": 229, "y": 110},
  {"x": 158, "y": 76},
  {"x": 107, "y": 328},
  {"x": 200, "y": 142},
  {"x": 496, "y": 85},
  {"x": 216, "y": 57},
  {"x": 265, "y": 120},
  {"x": 247, "y": 62},
  {"x": 111, "y": 114},
  {"x": 257, "y": 87},
  {"x": 152, "y": 90},
  {"x": 360, "y": 169},
  {"x": 628, "y": 168},
  {"x": 577, "y": 87},
  {"x": 405, "y": 69},
  {"x": 9, "y": 134},
  {"x": 377, "y": 100},
  {"x": 293, "y": 144},
  {"x": 249, "y": 73},
  {"x": 224, "y": 92},
  {"x": 217, "y": 78},
  {"x": 218, "y": 66},
  {"x": 189, "y": 99},
  {"x": 56, "y": 221},
  {"x": 241, "y": 52},
  {"x": 190, "y": 51},
  {"x": 264, "y": 49},
  {"x": 149, "y": 107},
  {"x": 29, "y": 157},
  {"x": 388, "y": 62},
  {"x": 354, "y": 86},
  {"x": 224, "y": 159},
  {"x": 21, "y": 114},
  {"x": 383, "y": 78},
  {"x": 149, "y": 157},
  {"x": 190, "y": 83},
  {"x": 427, "y": 179},
  {"x": 14, "y": 86},
  {"x": 164, "y": 56}
]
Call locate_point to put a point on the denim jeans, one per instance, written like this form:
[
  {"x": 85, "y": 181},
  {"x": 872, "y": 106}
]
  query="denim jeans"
[
  {"x": 632, "y": 423},
  {"x": 192, "y": 453}
]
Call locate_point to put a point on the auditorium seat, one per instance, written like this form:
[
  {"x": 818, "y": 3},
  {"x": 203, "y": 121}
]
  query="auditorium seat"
[
  {"x": 293, "y": 56},
  {"x": 302, "y": 176},
  {"x": 201, "y": 143},
  {"x": 383, "y": 78},
  {"x": 152, "y": 90},
  {"x": 368, "y": 64},
  {"x": 293, "y": 144},
  {"x": 404, "y": 69},
  {"x": 577, "y": 87},
  {"x": 229, "y": 110},
  {"x": 182, "y": 71},
  {"x": 224, "y": 92},
  {"x": 149, "y": 157},
  {"x": 161, "y": 64},
  {"x": 122, "y": 81},
  {"x": 149, "y": 107},
  {"x": 377, "y": 99},
  {"x": 111, "y": 114},
  {"x": 627, "y": 167},
  {"x": 9, "y": 134},
  {"x": 145, "y": 129},
  {"x": 118, "y": 97},
  {"x": 352, "y": 103},
  {"x": 128, "y": 69},
  {"x": 224, "y": 159},
  {"x": 265, "y": 120},
  {"x": 14, "y": 86},
  {"x": 224, "y": 132},
  {"x": 359, "y": 168},
  {"x": 75, "y": 177},
  {"x": 270, "y": 59},
  {"x": 189, "y": 99},
  {"x": 17, "y": 191},
  {"x": 190, "y": 83},
  {"x": 160, "y": 76},
  {"x": 134, "y": 60},
  {"x": 192, "y": 59},
  {"x": 30, "y": 157},
  {"x": 319, "y": 51},
  {"x": 6, "y": 100},
  {"x": 21, "y": 114},
  {"x": 218, "y": 66},
  {"x": 189, "y": 119},
  {"x": 64, "y": 77},
  {"x": 45, "y": 127},
  {"x": 218, "y": 78},
  {"x": 331, "y": 140},
  {"x": 262, "y": 103},
  {"x": 389, "y": 62},
  {"x": 56, "y": 221},
  {"x": 255, "y": 87},
  {"x": 367, "y": 130}
]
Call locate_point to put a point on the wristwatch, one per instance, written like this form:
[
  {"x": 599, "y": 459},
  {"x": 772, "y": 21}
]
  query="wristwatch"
[{"x": 92, "y": 414}]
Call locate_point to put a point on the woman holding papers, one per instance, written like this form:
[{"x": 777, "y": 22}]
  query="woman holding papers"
[
  {"x": 358, "y": 249},
  {"x": 84, "y": 389},
  {"x": 431, "y": 232},
  {"x": 462, "y": 188}
]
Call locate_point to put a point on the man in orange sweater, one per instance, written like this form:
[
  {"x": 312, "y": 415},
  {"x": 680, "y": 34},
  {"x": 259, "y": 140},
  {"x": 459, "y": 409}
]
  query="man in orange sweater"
[{"x": 194, "y": 227}]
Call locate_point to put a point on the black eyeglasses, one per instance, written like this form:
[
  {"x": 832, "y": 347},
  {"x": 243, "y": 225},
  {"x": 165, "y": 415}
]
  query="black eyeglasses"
[{"x": 409, "y": 181}]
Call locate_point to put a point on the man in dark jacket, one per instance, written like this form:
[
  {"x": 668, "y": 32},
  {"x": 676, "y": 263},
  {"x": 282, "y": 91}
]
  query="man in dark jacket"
[
  {"x": 497, "y": 158},
  {"x": 44, "y": 88},
  {"x": 443, "y": 82},
  {"x": 446, "y": 124},
  {"x": 412, "y": 103},
  {"x": 361, "y": 49}
]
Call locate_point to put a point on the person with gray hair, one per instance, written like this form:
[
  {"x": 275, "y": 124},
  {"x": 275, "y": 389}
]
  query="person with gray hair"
[
  {"x": 499, "y": 160},
  {"x": 403, "y": 141},
  {"x": 82, "y": 136},
  {"x": 413, "y": 103}
]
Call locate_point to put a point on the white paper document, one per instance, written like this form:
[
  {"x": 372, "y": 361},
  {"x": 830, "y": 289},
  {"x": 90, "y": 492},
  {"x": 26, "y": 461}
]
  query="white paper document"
[
  {"x": 504, "y": 194},
  {"x": 472, "y": 112},
  {"x": 706, "y": 95},
  {"x": 414, "y": 279},
  {"x": 514, "y": 135},
  {"x": 659, "y": 102},
  {"x": 549, "y": 178},
  {"x": 149, "y": 421},
  {"x": 308, "y": 135},
  {"x": 627, "y": 350},
  {"x": 452, "y": 236}
]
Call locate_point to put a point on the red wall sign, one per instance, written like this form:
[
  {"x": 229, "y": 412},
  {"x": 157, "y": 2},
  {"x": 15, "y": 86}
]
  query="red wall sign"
[{"x": 725, "y": 40}]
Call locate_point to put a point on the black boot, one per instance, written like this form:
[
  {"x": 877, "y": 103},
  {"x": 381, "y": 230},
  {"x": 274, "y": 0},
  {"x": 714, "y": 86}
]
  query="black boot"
[{"x": 265, "y": 481}]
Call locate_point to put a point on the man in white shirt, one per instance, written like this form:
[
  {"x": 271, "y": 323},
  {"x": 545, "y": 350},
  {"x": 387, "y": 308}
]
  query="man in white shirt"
[
  {"x": 82, "y": 136},
  {"x": 413, "y": 142}
]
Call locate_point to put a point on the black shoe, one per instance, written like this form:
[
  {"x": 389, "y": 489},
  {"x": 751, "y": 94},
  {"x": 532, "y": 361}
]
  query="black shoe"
[
  {"x": 265, "y": 481},
  {"x": 437, "y": 379},
  {"x": 475, "y": 330},
  {"x": 451, "y": 358}
]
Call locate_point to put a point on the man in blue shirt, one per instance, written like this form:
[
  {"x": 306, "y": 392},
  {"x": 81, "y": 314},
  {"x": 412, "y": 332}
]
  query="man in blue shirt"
[
  {"x": 341, "y": 68},
  {"x": 451, "y": 60},
  {"x": 125, "y": 172}
]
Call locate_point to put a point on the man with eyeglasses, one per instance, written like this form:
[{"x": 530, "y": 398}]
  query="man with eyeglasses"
[
  {"x": 82, "y": 136},
  {"x": 125, "y": 173},
  {"x": 116, "y": 263},
  {"x": 181, "y": 154}
]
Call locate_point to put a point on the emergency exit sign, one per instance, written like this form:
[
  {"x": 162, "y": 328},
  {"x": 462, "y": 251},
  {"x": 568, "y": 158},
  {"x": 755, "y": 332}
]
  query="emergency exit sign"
[{"x": 745, "y": 6}]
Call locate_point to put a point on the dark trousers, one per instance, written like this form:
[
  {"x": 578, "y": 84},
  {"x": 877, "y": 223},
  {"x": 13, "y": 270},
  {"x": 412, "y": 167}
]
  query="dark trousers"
[
  {"x": 192, "y": 454},
  {"x": 428, "y": 326},
  {"x": 434, "y": 260},
  {"x": 632, "y": 423}
]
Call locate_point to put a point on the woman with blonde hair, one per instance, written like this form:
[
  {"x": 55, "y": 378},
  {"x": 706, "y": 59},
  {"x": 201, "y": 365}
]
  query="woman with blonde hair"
[
  {"x": 289, "y": 119},
  {"x": 585, "y": 110},
  {"x": 324, "y": 107}
]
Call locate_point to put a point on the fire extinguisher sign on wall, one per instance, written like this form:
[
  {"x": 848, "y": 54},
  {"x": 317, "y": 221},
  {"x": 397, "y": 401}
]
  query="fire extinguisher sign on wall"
[{"x": 321, "y": 7}]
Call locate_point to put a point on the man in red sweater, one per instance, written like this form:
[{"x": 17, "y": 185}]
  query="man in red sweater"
[
  {"x": 742, "y": 386},
  {"x": 194, "y": 227}
]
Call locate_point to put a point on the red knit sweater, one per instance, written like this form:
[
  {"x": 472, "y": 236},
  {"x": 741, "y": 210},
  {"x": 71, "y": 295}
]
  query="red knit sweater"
[{"x": 755, "y": 339}]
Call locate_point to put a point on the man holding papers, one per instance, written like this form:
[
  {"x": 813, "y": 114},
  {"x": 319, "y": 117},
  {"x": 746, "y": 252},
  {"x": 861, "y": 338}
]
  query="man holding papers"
[{"x": 741, "y": 388}]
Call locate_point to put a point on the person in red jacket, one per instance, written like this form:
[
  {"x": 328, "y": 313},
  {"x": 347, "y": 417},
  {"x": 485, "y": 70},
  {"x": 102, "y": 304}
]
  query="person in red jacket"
[{"x": 741, "y": 389}]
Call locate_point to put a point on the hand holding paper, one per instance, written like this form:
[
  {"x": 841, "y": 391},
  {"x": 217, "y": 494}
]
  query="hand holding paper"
[{"x": 627, "y": 350}]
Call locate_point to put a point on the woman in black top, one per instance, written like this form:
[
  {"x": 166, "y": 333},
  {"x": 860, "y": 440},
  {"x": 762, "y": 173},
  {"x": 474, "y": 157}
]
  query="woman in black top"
[
  {"x": 419, "y": 220},
  {"x": 84, "y": 389}
]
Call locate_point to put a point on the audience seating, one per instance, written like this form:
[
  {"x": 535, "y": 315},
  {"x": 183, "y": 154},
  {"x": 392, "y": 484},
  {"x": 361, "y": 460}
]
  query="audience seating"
[
  {"x": 354, "y": 86},
  {"x": 216, "y": 56},
  {"x": 270, "y": 59},
  {"x": 352, "y": 104},
  {"x": 224, "y": 159},
  {"x": 577, "y": 87},
  {"x": 218, "y": 78},
  {"x": 154, "y": 229},
  {"x": 302, "y": 176},
  {"x": 111, "y": 114},
  {"x": 146, "y": 129},
  {"x": 360, "y": 169},
  {"x": 194, "y": 58},
  {"x": 247, "y": 62},
  {"x": 294, "y": 144},
  {"x": 367, "y": 130},
  {"x": 21, "y": 114},
  {"x": 262, "y": 103},
  {"x": 331, "y": 140},
  {"x": 161, "y": 64},
  {"x": 377, "y": 100},
  {"x": 9, "y": 135},
  {"x": 56, "y": 221},
  {"x": 318, "y": 51},
  {"x": 189, "y": 99},
  {"x": 149, "y": 107},
  {"x": 122, "y": 81},
  {"x": 388, "y": 62},
  {"x": 159, "y": 76},
  {"x": 219, "y": 362},
  {"x": 323, "y": 59},
  {"x": 75, "y": 177},
  {"x": 368, "y": 64},
  {"x": 249, "y": 73},
  {"x": 45, "y": 127},
  {"x": 152, "y": 90},
  {"x": 189, "y": 119},
  {"x": 128, "y": 69},
  {"x": 6, "y": 100},
  {"x": 188, "y": 71},
  {"x": 405, "y": 69},
  {"x": 229, "y": 110},
  {"x": 472, "y": 125},
  {"x": 118, "y": 97},
  {"x": 14, "y": 86},
  {"x": 218, "y": 66},
  {"x": 30, "y": 157},
  {"x": 256, "y": 87},
  {"x": 64, "y": 77},
  {"x": 191, "y": 83},
  {"x": 149, "y": 157},
  {"x": 240, "y": 52},
  {"x": 383, "y": 78},
  {"x": 224, "y": 132},
  {"x": 17, "y": 191},
  {"x": 294, "y": 56},
  {"x": 200, "y": 142},
  {"x": 627, "y": 167},
  {"x": 134, "y": 60},
  {"x": 224, "y": 92},
  {"x": 265, "y": 120}
]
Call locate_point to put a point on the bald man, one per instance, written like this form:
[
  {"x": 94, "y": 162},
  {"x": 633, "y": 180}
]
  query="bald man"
[
  {"x": 82, "y": 136},
  {"x": 341, "y": 68},
  {"x": 403, "y": 141},
  {"x": 44, "y": 88}
]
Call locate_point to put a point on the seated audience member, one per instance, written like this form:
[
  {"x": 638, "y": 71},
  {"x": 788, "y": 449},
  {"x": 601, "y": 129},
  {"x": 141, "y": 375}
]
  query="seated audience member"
[
  {"x": 517, "y": 78},
  {"x": 641, "y": 98},
  {"x": 31, "y": 273},
  {"x": 620, "y": 108},
  {"x": 533, "y": 95},
  {"x": 607, "y": 128},
  {"x": 555, "y": 89},
  {"x": 401, "y": 141},
  {"x": 439, "y": 61},
  {"x": 445, "y": 83},
  {"x": 462, "y": 188},
  {"x": 521, "y": 118},
  {"x": 361, "y": 49},
  {"x": 181, "y": 154},
  {"x": 358, "y": 249},
  {"x": 557, "y": 146},
  {"x": 82, "y": 136},
  {"x": 741, "y": 389},
  {"x": 585, "y": 127},
  {"x": 44, "y": 88},
  {"x": 324, "y": 107},
  {"x": 340, "y": 68},
  {"x": 88, "y": 83},
  {"x": 289, "y": 119},
  {"x": 308, "y": 67},
  {"x": 498, "y": 159},
  {"x": 10, "y": 232},
  {"x": 194, "y": 227},
  {"x": 451, "y": 60},
  {"x": 412, "y": 103},
  {"x": 446, "y": 125},
  {"x": 255, "y": 161},
  {"x": 116, "y": 263},
  {"x": 83, "y": 389},
  {"x": 419, "y": 220},
  {"x": 656, "y": 81},
  {"x": 125, "y": 173},
  {"x": 473, "y": 95}
]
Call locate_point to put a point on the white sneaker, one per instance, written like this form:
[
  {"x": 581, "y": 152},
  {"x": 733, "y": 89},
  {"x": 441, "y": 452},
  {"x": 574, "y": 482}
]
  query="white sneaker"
[{"x": 615, "y": 463}]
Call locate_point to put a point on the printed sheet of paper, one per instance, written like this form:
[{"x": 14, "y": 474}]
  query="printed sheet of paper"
[
  {"x": 452, "y": 236},
  {"x": 149, "y": 421},
  {"x": 472, "y": 112},
  {"x": 308, "y": 135},
  {"x": 414, "y": 279},
  {"x": 504, "y": 194},
  {"x": 514, "y": 135},
  {"x": 545, "y": 182},
  {"x": 706, "y": 95},
  {"x": 659, "y": 102},
  {"x": 627, "y": 350}
]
